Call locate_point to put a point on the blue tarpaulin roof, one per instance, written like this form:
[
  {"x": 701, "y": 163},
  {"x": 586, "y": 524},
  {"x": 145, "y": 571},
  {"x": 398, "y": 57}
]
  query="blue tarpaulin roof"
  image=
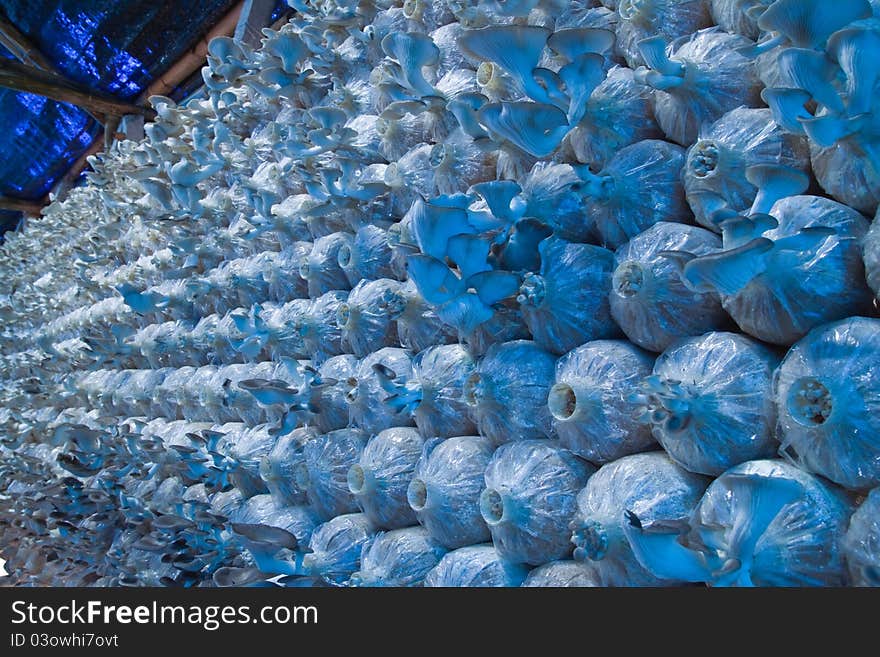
[{"x": 116, "y": 47}]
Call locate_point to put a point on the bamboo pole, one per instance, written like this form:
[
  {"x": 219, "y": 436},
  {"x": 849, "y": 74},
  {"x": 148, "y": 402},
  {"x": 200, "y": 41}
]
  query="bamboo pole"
[
  {"x": 20, "y": 205},
  {"x": 22, "y": 77}
]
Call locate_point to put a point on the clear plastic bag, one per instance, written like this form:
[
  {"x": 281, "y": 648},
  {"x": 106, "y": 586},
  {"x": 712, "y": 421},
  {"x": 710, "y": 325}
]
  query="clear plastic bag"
[
  {"x": 530, "y": 498},
  {"x": 278, "y": 467},
  {"x": 418, "y": 326},
  {"x": 320, "y": 333},
  {"x": 811, "y": 273},
  {"x": 566, "y": 304},
  {"x": 709, "y": 402},
  {"x": 445, "y": 489},
  {"x": 670, "y": 19},
  {"x": 649, "y": 485},
  {"x": 600, "y": 134},
  {"x": 369, "y": 256},
  {"x": 475, "y": 566},
  {"x": 827, "y": 392},
  {"x": 591, "y": 400},
  {"x": 321, "y": 269},
  {"x": 327, "y": 460},
  {"x": 563, "y": 573},
  {"x": 402, "y": 557},
  {"x": 336, "y": 547},
  {"x": 700, "y": 77},
  {"x": 649, "y": 300},
  {"x": 330, "y": 402},
  {"x": 861, "y": 543},
  {"x": 871, "y": 251},
  {"x": 367, "y": 318},
  {"x": 717, "y": 163},
  {"x": 380, "y": 478},
  {"x": 366, "y": 394},
  {"x": 638, "y": 187},
  {"x": 437, "y": 384},
  {"x": 762, "y": 523},
  {"x": 508, "y": 392}
]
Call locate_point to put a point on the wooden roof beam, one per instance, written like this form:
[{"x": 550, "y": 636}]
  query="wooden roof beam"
[{"x": 29, "y": 79}]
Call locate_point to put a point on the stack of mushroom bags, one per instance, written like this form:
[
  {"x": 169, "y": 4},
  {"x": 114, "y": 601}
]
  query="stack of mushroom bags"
[{"x": 466, "y": 293}]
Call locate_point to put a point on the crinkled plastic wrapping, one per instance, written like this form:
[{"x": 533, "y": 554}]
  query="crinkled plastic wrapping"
[
  {"x": 709, "y": 401},
  {"x": 299, "y": 520},
  {"x": 331, "y": 402},
  {"x": 248, "y": 448},
  {"x": 282, "y": 274},
  {"x": 445, "y": 490},
  {"x": 563, "y": 573},
  {"x": 380, "y": 479},
  {"x": 717, "y": 162},
  {"x": 670, "y": 19},
  {"x": 601, "y": 133},
  {"x": 650, "y": 485},
  {"x": 718, "y": 79},
  {"x": 529, "y": 500},
  {"x": 475, "y": 566},
  {"x": 549, "y": 191},
  {"x": 508, "y": 392},
  {"x": 336, "y": 547},
  {"x": 321, "y": 269},
  {"x": 369, "y": 256},
  {"x": 167, "y": 396},
  {"x": 441, "y": 373},
  {"x": 734, "y": 16},
  {"x": 402, "y": 557},
  {"x": 327, "y": 461},
  {"x": 801, "y": 290},
  {"x": 506, "y": 325},
  {"x": 801, "y": 546},
  {"x": 284, "y": 324},
  {"x": 320, "y": 332},
  {"x": 591, "y": 400},
  {"x": 566, "y": 304},
  {"x": 827, "y": 391},
  {"x": 368, "y": 317},
  {"x": 871, "y": 252},
  {"x": 418, "y": 327},
  {"x": 278, "y": 467},
  {"x": 849, "y": 170},
  {"x": 640, "y": 186},
  {"x": 649, "y": 300},
  {"x": 411, "y": 175},
  {"x": 861, "y": 543},
  {"x": 366, "y": 396},
  {"x": 458, "y": 162}
]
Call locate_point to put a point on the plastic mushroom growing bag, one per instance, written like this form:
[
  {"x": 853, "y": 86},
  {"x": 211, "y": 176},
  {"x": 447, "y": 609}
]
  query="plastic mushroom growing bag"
[
  {"x": 827, "y": 391},
  {"x": 861, "y": 543},
  {"x": 529, "y": 499},
  {"x": 709, "y": 401},
  {"x": 380, "y": 478},
  {"x": 762, "y": 523},
  {"x": 336, "y": 545},
  {"x": 591, "y": 404},
  {"x": 650, "y": 301},
  {"x": 475, "y": 566},
  {"x": 445, "y": 489},
  {"x": 402, "y": 557},
  {"x": 782, "y": 274},
  {"x": 650, "y": 485},
  {"x": 508, "y": 391}
]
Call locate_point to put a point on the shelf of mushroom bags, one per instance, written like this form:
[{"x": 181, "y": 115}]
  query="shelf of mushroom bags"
[{"x": 446, "y": 295}]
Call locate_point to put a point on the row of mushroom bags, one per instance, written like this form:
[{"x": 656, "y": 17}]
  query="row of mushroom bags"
[{"x": 466, "y": 293}]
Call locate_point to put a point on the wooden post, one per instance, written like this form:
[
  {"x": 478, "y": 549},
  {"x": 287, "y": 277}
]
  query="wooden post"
[
  {"x": 32, "y": 80},
  {"x": 20, "y": 46},
  {"x": 19, "y": 205}
]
